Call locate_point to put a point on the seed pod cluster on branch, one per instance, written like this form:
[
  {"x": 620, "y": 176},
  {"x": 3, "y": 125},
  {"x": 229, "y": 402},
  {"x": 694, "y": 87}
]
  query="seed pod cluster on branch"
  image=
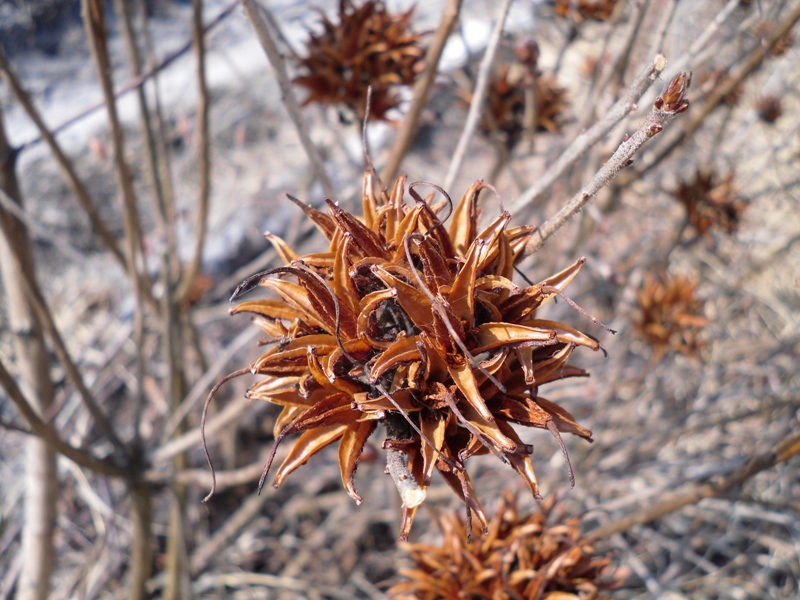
[
  {"x": 670, "y": 316},
  {"x": 368, "y": 46},
  {"x": 523, "y": 556},
  {"x": 711, "y": 202},
  {"x": 419, "y": 326},
  {"x": 520, "y": 98}
]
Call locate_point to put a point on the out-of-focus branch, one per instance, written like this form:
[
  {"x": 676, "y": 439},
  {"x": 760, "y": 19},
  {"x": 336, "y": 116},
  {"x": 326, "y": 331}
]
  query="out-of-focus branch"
[
  {"x": 204, "y": 155},
  {"x": 623, "y": 107},
  {"x": 94, "y": 23},
  {"x": 253, "y": 12},
  {"x": 750, "y": 64},
  {"x": 410, "y": 126},
  {"x": 65, "y": 165},
  {"x": 781, "y": 452},
  {"x": 136, "y": 81},
  {"x": 49, "y": 435},
  {"x": 478, "y": 96},
  {"x": 40, "y": 307},
  {"x": 671, "y": 103}
]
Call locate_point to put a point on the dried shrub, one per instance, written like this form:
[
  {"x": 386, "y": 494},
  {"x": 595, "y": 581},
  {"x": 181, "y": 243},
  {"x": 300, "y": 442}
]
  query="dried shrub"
[
  {"x": 369, "y": 46},
  {"x": 419, "y": 327},
  {"x": 522, "y": 556},
  {"x": 578, "y": 10},
  {"x": 670, "y": 317},
  {"x": 710, "y": 202}
]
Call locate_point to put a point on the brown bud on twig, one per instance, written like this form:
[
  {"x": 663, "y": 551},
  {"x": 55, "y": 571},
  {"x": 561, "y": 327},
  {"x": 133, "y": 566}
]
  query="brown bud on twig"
[{"x": 673, "y": 99}]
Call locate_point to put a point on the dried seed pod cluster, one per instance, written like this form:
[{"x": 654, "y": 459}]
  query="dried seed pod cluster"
[
  {"x": 670, "y": 317},
  {"x": 578, "y": 10},
  {"x": 409, "y": 323},
  {"x": 369, "y": 46},
  {"x": 522, "y": 557},
  {"x": 710, "y": 202},
  {"x": 520, "y": 98}
]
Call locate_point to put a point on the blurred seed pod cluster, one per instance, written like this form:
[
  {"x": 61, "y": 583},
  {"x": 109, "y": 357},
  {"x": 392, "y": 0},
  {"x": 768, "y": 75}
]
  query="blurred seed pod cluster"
[
  {"x": 522, "y": 556},
  {"x": 367, "y": 46}
]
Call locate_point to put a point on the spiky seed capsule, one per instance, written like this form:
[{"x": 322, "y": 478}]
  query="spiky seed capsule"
[
  {"x": 670, "y": 317},
  {"x": 523, "y": 556},
  {"x": 520, "y": 98},
  {"x": 710, "y": 202},
  {"x": 367, "y": 47},
  {"x": 416, "y": 326}
]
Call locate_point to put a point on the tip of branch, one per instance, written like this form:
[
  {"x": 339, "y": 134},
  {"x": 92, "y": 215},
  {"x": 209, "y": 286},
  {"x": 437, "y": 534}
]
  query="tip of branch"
[{"x": 660, "y": 62}]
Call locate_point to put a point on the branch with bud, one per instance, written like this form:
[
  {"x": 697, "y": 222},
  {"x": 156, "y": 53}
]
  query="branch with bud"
[{"x": 666, "y": 107}]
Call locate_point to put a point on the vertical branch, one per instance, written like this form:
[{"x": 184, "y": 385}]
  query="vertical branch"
[
  {"x": 253, "y": 12},
  {"x": 204, "y": 168},
  {"x": 478, "y": 96},
  {"x": 410, "y": 125},
  {"x": 94, "y": 22},
  {"x": 142, "y": 544},
  {"x": 34, "y": 367}
]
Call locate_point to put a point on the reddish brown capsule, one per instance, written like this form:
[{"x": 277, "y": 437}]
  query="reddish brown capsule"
[{"x": 673, "y": 99}]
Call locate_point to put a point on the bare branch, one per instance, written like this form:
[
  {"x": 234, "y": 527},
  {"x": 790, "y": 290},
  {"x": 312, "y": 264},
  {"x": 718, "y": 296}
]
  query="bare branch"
[
  {"x": 253, "y": 12},
  {"x": 623, "y": 107},
  {"x": 204, "y": 161},
  {"x": 781, "y": 452},
  {"x": 478, "y": 96},
  {"x": 665, "y": 108},
  {"x": 49, "y": 435},
  {"x": 410, "y": 125},
  {"x": 65, "y": 165}
]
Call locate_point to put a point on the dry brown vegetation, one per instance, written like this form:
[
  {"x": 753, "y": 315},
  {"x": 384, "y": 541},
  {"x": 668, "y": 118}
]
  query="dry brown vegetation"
[{"x": 125, "y": 232}]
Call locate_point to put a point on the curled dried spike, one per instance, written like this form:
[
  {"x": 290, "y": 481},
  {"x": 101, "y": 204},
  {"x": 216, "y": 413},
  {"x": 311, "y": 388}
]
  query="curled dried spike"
[{"x": 673, "y": 99}]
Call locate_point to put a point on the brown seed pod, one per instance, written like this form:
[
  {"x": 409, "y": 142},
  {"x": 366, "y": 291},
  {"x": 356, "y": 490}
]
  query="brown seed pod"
[
  {"x": 417, "y": 326},
  {"x": 710, "y": 202},
  {"x": 522, "y": 556},
  {"x": 670, "y": 317},
  {"x": 368, "y": 46}
]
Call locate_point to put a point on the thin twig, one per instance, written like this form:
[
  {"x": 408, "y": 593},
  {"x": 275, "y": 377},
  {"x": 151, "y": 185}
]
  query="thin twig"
[
  {"x": 478, "y": 97},
  {"x": 94, "y": 23},
  {"x": 45, "y": 316},
  {"x": 204, "y": 159},
  {"x": 781, "y": 452},
  {"x": 253, "y": 12},
  {"x": 750, "y": 64},
  {"x": 49, "y": 435},
  {"x": 666, "y": 107},
  {"x": 410, "y": 125},
  {"x": 65, "y": 165},
  {"x": 133, "y": 83},
  {"x": 623, "y": 107}
]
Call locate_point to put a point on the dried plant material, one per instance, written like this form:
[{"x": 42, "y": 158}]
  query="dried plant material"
[
  {"x": 369, "y": 46},
  {"x": 520, "y": 98},
  {"x": 764, "y": 29},
  {"x": 710, "y": 202},
  {"x": 578, "y": 10},
  {"x": 768, "y": 108},
  {"x": 522, "y": 556},
  {"x": 670, "y": 315},
  {"x": 419, "y": 327}
]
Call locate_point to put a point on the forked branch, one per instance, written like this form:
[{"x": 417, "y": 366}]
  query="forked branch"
[{"x": 666, "y": 107}]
